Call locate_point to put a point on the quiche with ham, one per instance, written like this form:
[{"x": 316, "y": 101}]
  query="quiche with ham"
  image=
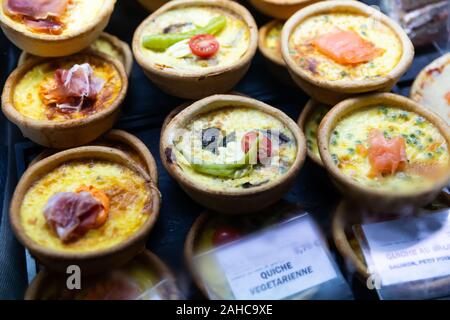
[
  {"x": 84, "y": 206},
  {"x": 67, "y": 88},
  {"x": 345, "y": 46},
  {"x": 388, "y": 148}
]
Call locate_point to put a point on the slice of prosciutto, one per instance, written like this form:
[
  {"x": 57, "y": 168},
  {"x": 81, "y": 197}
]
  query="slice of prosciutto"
[
  {"x": 386, "y": 156},
  {"x": 71, "y": 89},
  {"x": 40, "y": 15},
  {"x": 72, "y": 214}
]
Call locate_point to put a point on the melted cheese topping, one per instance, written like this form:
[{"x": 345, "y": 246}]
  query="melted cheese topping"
[
  {"x": 234, "y": 39},
  {"x": 273, "y": 39},
  {"x": 27, "y": 99},
  {"x": 78, "y": 14},
  {"x": 234, "y": 122},
  {"x": 324, "y": 68},
  {"x": 426, "y": 149},
  {"x": 435, "y": 90},
  {"x": 312, "y": 127},
  {"x": 128, "y": 192}
]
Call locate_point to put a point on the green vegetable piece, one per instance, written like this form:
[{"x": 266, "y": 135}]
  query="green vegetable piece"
[
  {"x": 160, "y": 42},
  {"x": 229, "y": 170}
]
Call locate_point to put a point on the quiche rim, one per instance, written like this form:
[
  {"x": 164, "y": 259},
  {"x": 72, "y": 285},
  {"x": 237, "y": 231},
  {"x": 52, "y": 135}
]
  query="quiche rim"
[
  {"x": 118, "y": 44},
  {"x": 332, "y": 92}
]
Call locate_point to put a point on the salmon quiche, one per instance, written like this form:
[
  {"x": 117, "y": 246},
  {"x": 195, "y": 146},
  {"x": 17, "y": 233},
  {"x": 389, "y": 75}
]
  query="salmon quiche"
[
  {"x": 144, "y": 278},
  {"x": 388, "y": 146},
  {"x": 431, "y": 88},
  {"x": 346, "y": 47},
  {"x": 54, "y": 27},
  {"x": 193, "y": 38}
]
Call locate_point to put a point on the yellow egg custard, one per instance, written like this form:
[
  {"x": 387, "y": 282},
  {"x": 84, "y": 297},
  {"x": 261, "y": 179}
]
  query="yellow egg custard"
[
  {"x": 232, "y": 148},
  {"x": 52, "y": 17},
  {"x": 123, "y": 194},
  {"x": 388, "y": 148},
  {"x": 312, "y": 127},
  {"x": 432, "y": 89},
  {"x": 194, "y": 38},
  {"x": 345, "y": 46},
  {"x": 273, "y": 38},
  {"x": 67, "y": 88}
]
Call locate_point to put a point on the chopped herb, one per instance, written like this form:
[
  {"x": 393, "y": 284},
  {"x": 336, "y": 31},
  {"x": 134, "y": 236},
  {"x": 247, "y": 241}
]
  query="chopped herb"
[
  {"x": 351, "y": 150},
  {"x": 420, "y": 120},
  {"x": 383, "y": 109}
]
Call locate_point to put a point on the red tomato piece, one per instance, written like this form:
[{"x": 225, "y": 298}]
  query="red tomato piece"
[
  {"x": 264, "y": 146},
  {"x": 204, "y": 45},
  {"x": 225, "y": 235}
]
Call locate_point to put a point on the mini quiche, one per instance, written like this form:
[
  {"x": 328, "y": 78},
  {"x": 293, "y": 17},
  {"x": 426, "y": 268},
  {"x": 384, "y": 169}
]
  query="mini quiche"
[
  {"x": 431, "y": 88},
  {"x": 89, "y": 206},
  {"x": 309, "y": 122},
  {"x": 232, "y": 153},
  {"x": 335, "y": 49},
  {"x": 195, "y": 48},
  {"x": 145, "y": 277},
  {"x": 107, "y": 44},
  {"x": 65, "y": 102},
  {"x": 211, "y": 231},
  {"x": 54, "y": 28},
  {"x": 386, "y": 150},
  {"x": 269, "y": 43},
  {"x": 347, "y": 215}
]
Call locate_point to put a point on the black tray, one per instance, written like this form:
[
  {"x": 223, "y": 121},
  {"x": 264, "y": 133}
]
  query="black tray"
[{"x": 143, "y": 113}]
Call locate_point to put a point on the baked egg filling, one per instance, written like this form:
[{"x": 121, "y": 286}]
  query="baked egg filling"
[{"x": 388, "y": 148}]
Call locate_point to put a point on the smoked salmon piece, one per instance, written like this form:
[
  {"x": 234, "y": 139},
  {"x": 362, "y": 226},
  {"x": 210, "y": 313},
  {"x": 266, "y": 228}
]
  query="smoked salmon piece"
[
  {"x": 346, "y": 47},
  {"x": 386, "y": 156}
]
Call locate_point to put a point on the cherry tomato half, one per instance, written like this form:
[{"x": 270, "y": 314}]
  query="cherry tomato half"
[
  {"x": 225, "y": 235},
  {"x": 264, "y": 147},
  {"x": 204, "y": 45}
]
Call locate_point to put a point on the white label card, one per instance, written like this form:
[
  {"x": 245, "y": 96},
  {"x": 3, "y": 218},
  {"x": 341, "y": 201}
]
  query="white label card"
[
  {"x": 410, "y": 249},
  {"x": 277, "y": 263}
]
